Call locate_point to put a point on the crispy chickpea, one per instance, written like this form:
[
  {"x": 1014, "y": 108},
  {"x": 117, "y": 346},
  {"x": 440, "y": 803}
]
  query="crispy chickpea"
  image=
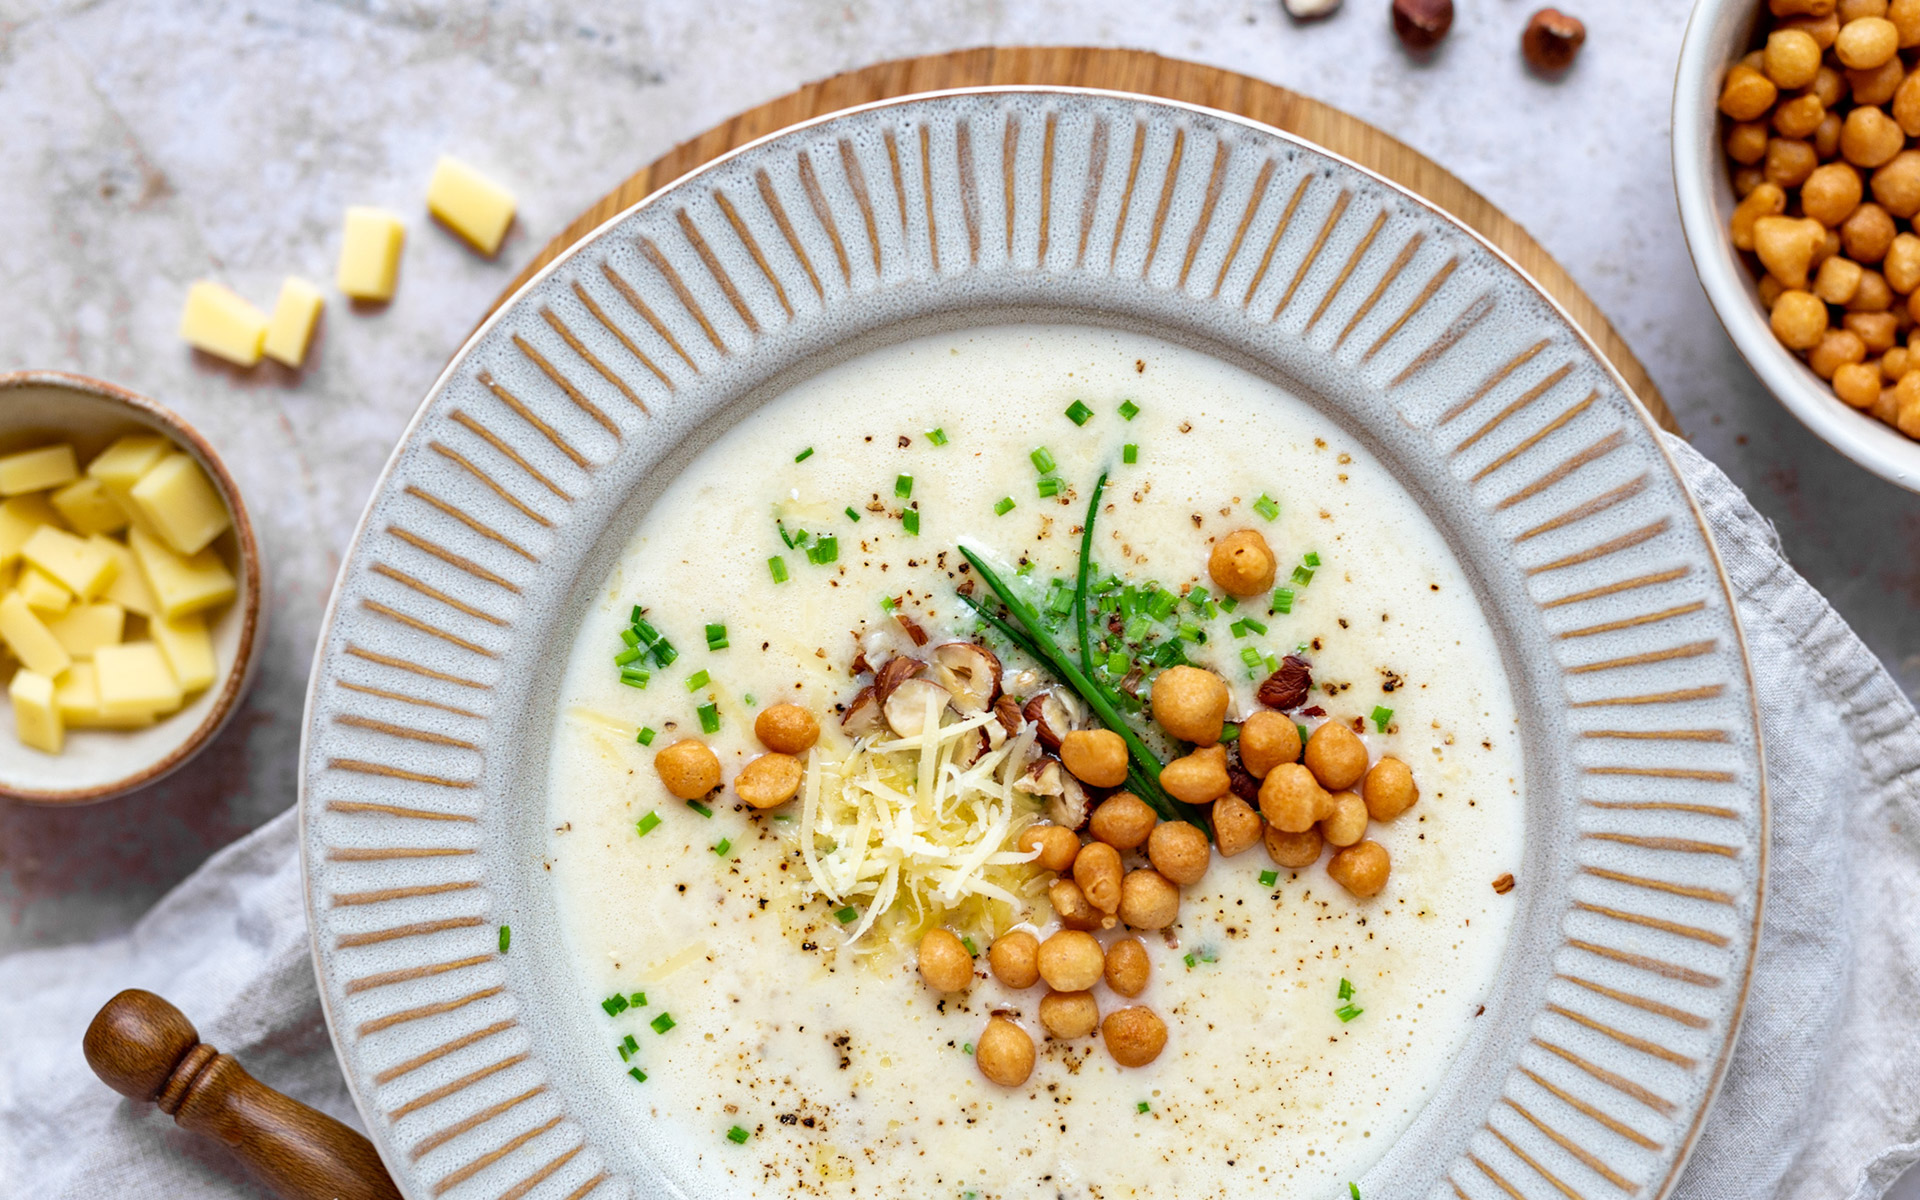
[
  {"x": 1071, "y": 961},
  {"x": 1876, "y": 330},
  {"x": 1872, "y": 295},
  {"x": 1057, "y": 846},
  {"x": 1770, "y": 290},
  {"x": 1747, "y": 93},
  {"x": 1747, "y": 142},
  {"x": 1868, "y": 138},
  {"x": 1794, "y": 8},
  {"x": 1902, "y": 264},
  {"x": 1886, "y": 408},
  {"x": 1799, "y": 117},
  {"x": 1128, "y": 966},
  {"x": 1361, "y": 869},
  {"x": 1190, "y": 704},
  {"x": 1798, "y": 319},
  {"x": 787, "y": 728},
  {"x": 1896, "y": 186},
  {"x": 1906, "y": 399},
  {"x": 1236, "y": 826},
  {"x": 1866, "y": 43},
  {"x": 1148, "y": 900},
  {"x": 1067, "y": 1015},
  {"x": 1866, "y": 235},
  {"x": 1766, "y": 200},
  {"x": 1748, "y": 178},
  {"x": 1347, "y": 823},
  {"x": 1071, "y": 905},
  {"x": 769, "y": 780},
  {"x": 1198, "y": 778},
  {"x": 688, "y": 768},
  {"x": 1014, "y": 959},
  {"x": 944, "y": 961},
  {"x": 1831, "y": 193},
  {"x": 1828, "y": 84},
  {"x": 1905, "y": 15},
  {"x": 1335, "y": 755},
  {"x": 1134, "y": 1036},
  {"x": 1853, "y": 10},
  {"x": 1789, "y": 161},
  {"x": 1267, "y": 739},
  {"x": 1241, "y": 563},
  {"x": 1389, "y": 789},
  {"x": 1291, "y": 799},
  {"x": 1879, "y": 85},
  {"x": 1829, "y": 246},
  {"x": 1838, "y": 348},
  {"x": 1095, "y": 756},
  {"x": 1792, "y": 58},
  {"x": 1122, "y": 821},
  {"x": 1004, "y": 1052},
  {"x": 1906, "y": 107},
  {"x": 1786, "y": 246},
  {"x": 1097, "y": 871},
  {"x": 1857, "y": 384},
  {"x": 1826, "y": 136},
  {"x": 1837, "y": 281},
  {"x": 1893, "y": 362},
  {"x": 1294, "y": 850},
  {"x": 1179, "y": 851}
]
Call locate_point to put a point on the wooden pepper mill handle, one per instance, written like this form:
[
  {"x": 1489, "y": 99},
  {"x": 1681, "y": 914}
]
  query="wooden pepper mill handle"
[{"x": 146, "y": 1048}]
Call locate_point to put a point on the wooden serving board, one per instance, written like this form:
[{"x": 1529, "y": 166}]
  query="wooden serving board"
[{"x": 1129, "y": 71}]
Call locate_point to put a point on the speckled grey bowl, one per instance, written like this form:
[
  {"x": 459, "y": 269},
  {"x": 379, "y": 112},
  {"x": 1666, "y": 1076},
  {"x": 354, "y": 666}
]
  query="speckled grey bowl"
[{"x": 482, "y": 1074}]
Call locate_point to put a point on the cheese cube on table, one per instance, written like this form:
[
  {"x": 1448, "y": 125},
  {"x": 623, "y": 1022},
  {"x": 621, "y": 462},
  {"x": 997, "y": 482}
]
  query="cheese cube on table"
[
  {"x": 134, "y": 677},
  {"x": 87, "y": 508},
  {"x": 77, "y": 696},
  {"x": 87, "y": 627},
  {"x": 29, "y": 639},
  {"x": 37, "y": 470},
  {"x": 222, "y": 323},
  {"x": 188, "y": 649},
  {"x": 294, "y": 315},
  {"x": 83, "y": 568},
  {"x": 19, "y": 517},
  {"x": 181, "y": 504},
  {"x": 370, "y": 254},
  {"x": 473, "y": 206},
  {"x": 180, "y": 585},
  {"x": 129, "y": 587},
  {"x": 35, "y": 719},
  {"x": 42, "y": 592}
]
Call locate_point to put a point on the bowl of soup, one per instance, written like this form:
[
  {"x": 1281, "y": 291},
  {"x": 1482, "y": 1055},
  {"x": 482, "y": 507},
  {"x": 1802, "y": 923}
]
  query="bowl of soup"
[{"x": 1028, "y": 642}]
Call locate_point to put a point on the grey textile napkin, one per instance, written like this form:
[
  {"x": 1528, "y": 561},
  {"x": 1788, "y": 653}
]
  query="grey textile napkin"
[{"x": 1822, "y": 1099}]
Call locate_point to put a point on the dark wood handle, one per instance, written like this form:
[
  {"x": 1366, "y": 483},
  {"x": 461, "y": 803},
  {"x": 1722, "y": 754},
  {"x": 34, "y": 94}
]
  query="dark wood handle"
[{"x": 146, "y": 1048}]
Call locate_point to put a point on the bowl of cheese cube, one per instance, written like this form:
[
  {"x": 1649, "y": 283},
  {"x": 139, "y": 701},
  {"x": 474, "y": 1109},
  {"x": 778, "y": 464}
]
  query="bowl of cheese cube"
[{"x": 130, "y": 586}]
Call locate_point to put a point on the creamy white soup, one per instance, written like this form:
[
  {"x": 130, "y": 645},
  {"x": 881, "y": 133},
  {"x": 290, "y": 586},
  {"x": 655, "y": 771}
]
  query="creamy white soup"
[{"x": 761, "y": 978}]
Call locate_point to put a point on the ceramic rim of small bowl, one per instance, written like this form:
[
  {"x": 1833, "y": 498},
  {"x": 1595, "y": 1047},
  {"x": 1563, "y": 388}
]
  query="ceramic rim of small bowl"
[
  {"x": 239, "y": 675},
  {"x": 1704, "y": 190},
  {"x": 412, "y": 854}
]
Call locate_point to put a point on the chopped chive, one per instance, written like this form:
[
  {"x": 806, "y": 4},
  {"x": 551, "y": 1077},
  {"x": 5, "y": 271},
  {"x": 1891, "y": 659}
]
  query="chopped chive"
[
  {"x": 1381, "y": 716},
  {"x": 1137, "y": 628},
  {"x": 1229, "y": 603},
  {"x": 647, "y": 824},
  {"x": 1282, "y": 600},
  {"x": 1229, "y": 732},
  {"x": 1143, "y": 1106},
  {"x": 1130, "y": 453},
  {"x": 698, "y": 680},
  {"x": 1250, "y": 656},
  {"x": 847, "y": 915},
  {"x": 1252, "y": 624},
  {"x": 722, "y": 846},
  {"x": 1266, "y": 506},
  {"x": 966, "y": 1047},
  {"x": 1198, "y": 597},
  {"x": 716, "y": 637},
  {"x": 1269, "y": 878},
  {"x": 664, "y": 653},
  {"x": 852, "y": 515},
  {"x": 1189, "y": 962},
  {"x": 1003, "y": 506},
  {"x": 639, "y": 1000},
  {"x": 1346, "y": 990},
  {"x": 615, "y": 1005},
  {"x": 937, "y": 436},
  {"x": 506, "y": 938},
  {"x": 804, "y": 455},
  {"x": 1238, "y": 629},
  {"x": 903, "y": 486},
  {"x": 1129, "y": 410},
  {"x": 625, "y": 1054},
  {"x": 886, "y": 603},
  {"x": 786, "y": 537},
  {"x": 971, "y": 948},
  {"x": 1042, "y": 459},
  {"x": 630, "y": 654},
  {"x": 1079, "y": 413},
  {"x": 738, "y": 1136},
  {"x": 824, "y": 550},
  {"x": 777, "y": 566},
  {"x": 1312, "y": 558},
  {"x": 1192, "y": 632},
  {"x": 1302, "y": 729},
  {"x": 1118, "y": 662},
  {"x": 1353, "y": 1191},
  {"x": 747, "y": 699},
  {"x": 1050, "y": 486},
  {"x": 709, "y": 717},
  {"x": 662, "y": 1023},
  {"x": 1302, "y": 576},
  {"x": 630, "y": 636},
  {"x": 638, "y": 1075},
  {"x": 1162, "y": 605},
  {"x": 1347, "y": 1013},
  {"x": 634, "y": 618},
  {"x": 910, "y": 521},
  {"x": 648, "y": 634},
  {"x": 627, "y": 1043},
  {"x": 700, "y": 808},
  {"x": 633, "y": 677}
]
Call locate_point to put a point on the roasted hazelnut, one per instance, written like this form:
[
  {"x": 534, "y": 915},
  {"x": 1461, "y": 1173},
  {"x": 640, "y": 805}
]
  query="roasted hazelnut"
[
  {"x": 1552, "y": 39},
  {"x": 1122, "y": 821},
  {"x": 1235, "y": 825},
  {"x": 787, "y": 729},
  {"x": 1421, "y": 24},
  {"x": 688, "y": 768},
  {"x": 1135, "y": 1036},
  {"x": 769, "y": 780},
  {"x": 1128, "y": 966}
]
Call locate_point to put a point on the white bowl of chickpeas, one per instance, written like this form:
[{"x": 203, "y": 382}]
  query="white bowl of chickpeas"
[{"x": 1796, "y": 159}]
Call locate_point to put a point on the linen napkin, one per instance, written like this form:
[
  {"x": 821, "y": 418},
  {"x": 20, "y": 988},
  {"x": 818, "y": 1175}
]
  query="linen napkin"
[{"x": 1822, "y": 1098}]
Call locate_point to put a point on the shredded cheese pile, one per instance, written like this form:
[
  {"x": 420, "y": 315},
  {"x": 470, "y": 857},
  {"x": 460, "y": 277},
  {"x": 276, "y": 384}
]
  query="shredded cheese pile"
[{"x": 900, "y": 830}]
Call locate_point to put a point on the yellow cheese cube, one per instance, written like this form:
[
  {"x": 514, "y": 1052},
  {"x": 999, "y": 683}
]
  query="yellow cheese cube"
[
  {"x": 88, "y": 508},
  {"x": 35, "y": 719},
  {"x": 370, "y": 254},
  {"x": 77, "y": 697},
  {"x": 222, "y": 323},
  {"x": 42, "y": 592},
  {"x": 180, "y": 585},
  {"x": 19, "y": 517},
  {"x": 470, "y": 204},
  {"x": 181, "y": 504},
  {"x": 188, "y": 650},
  {"x": 37, "y": 470},
  {"x": 134, "y": 677},
  {"x": 121, "y": 465},
  {"x": 87, "y": 627},
  {"x": 29, "y": 639},
  {"x": 82, "y": 567},
  {"x": 129, "y": 587},
  {"x": 294, "y": 316}
]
